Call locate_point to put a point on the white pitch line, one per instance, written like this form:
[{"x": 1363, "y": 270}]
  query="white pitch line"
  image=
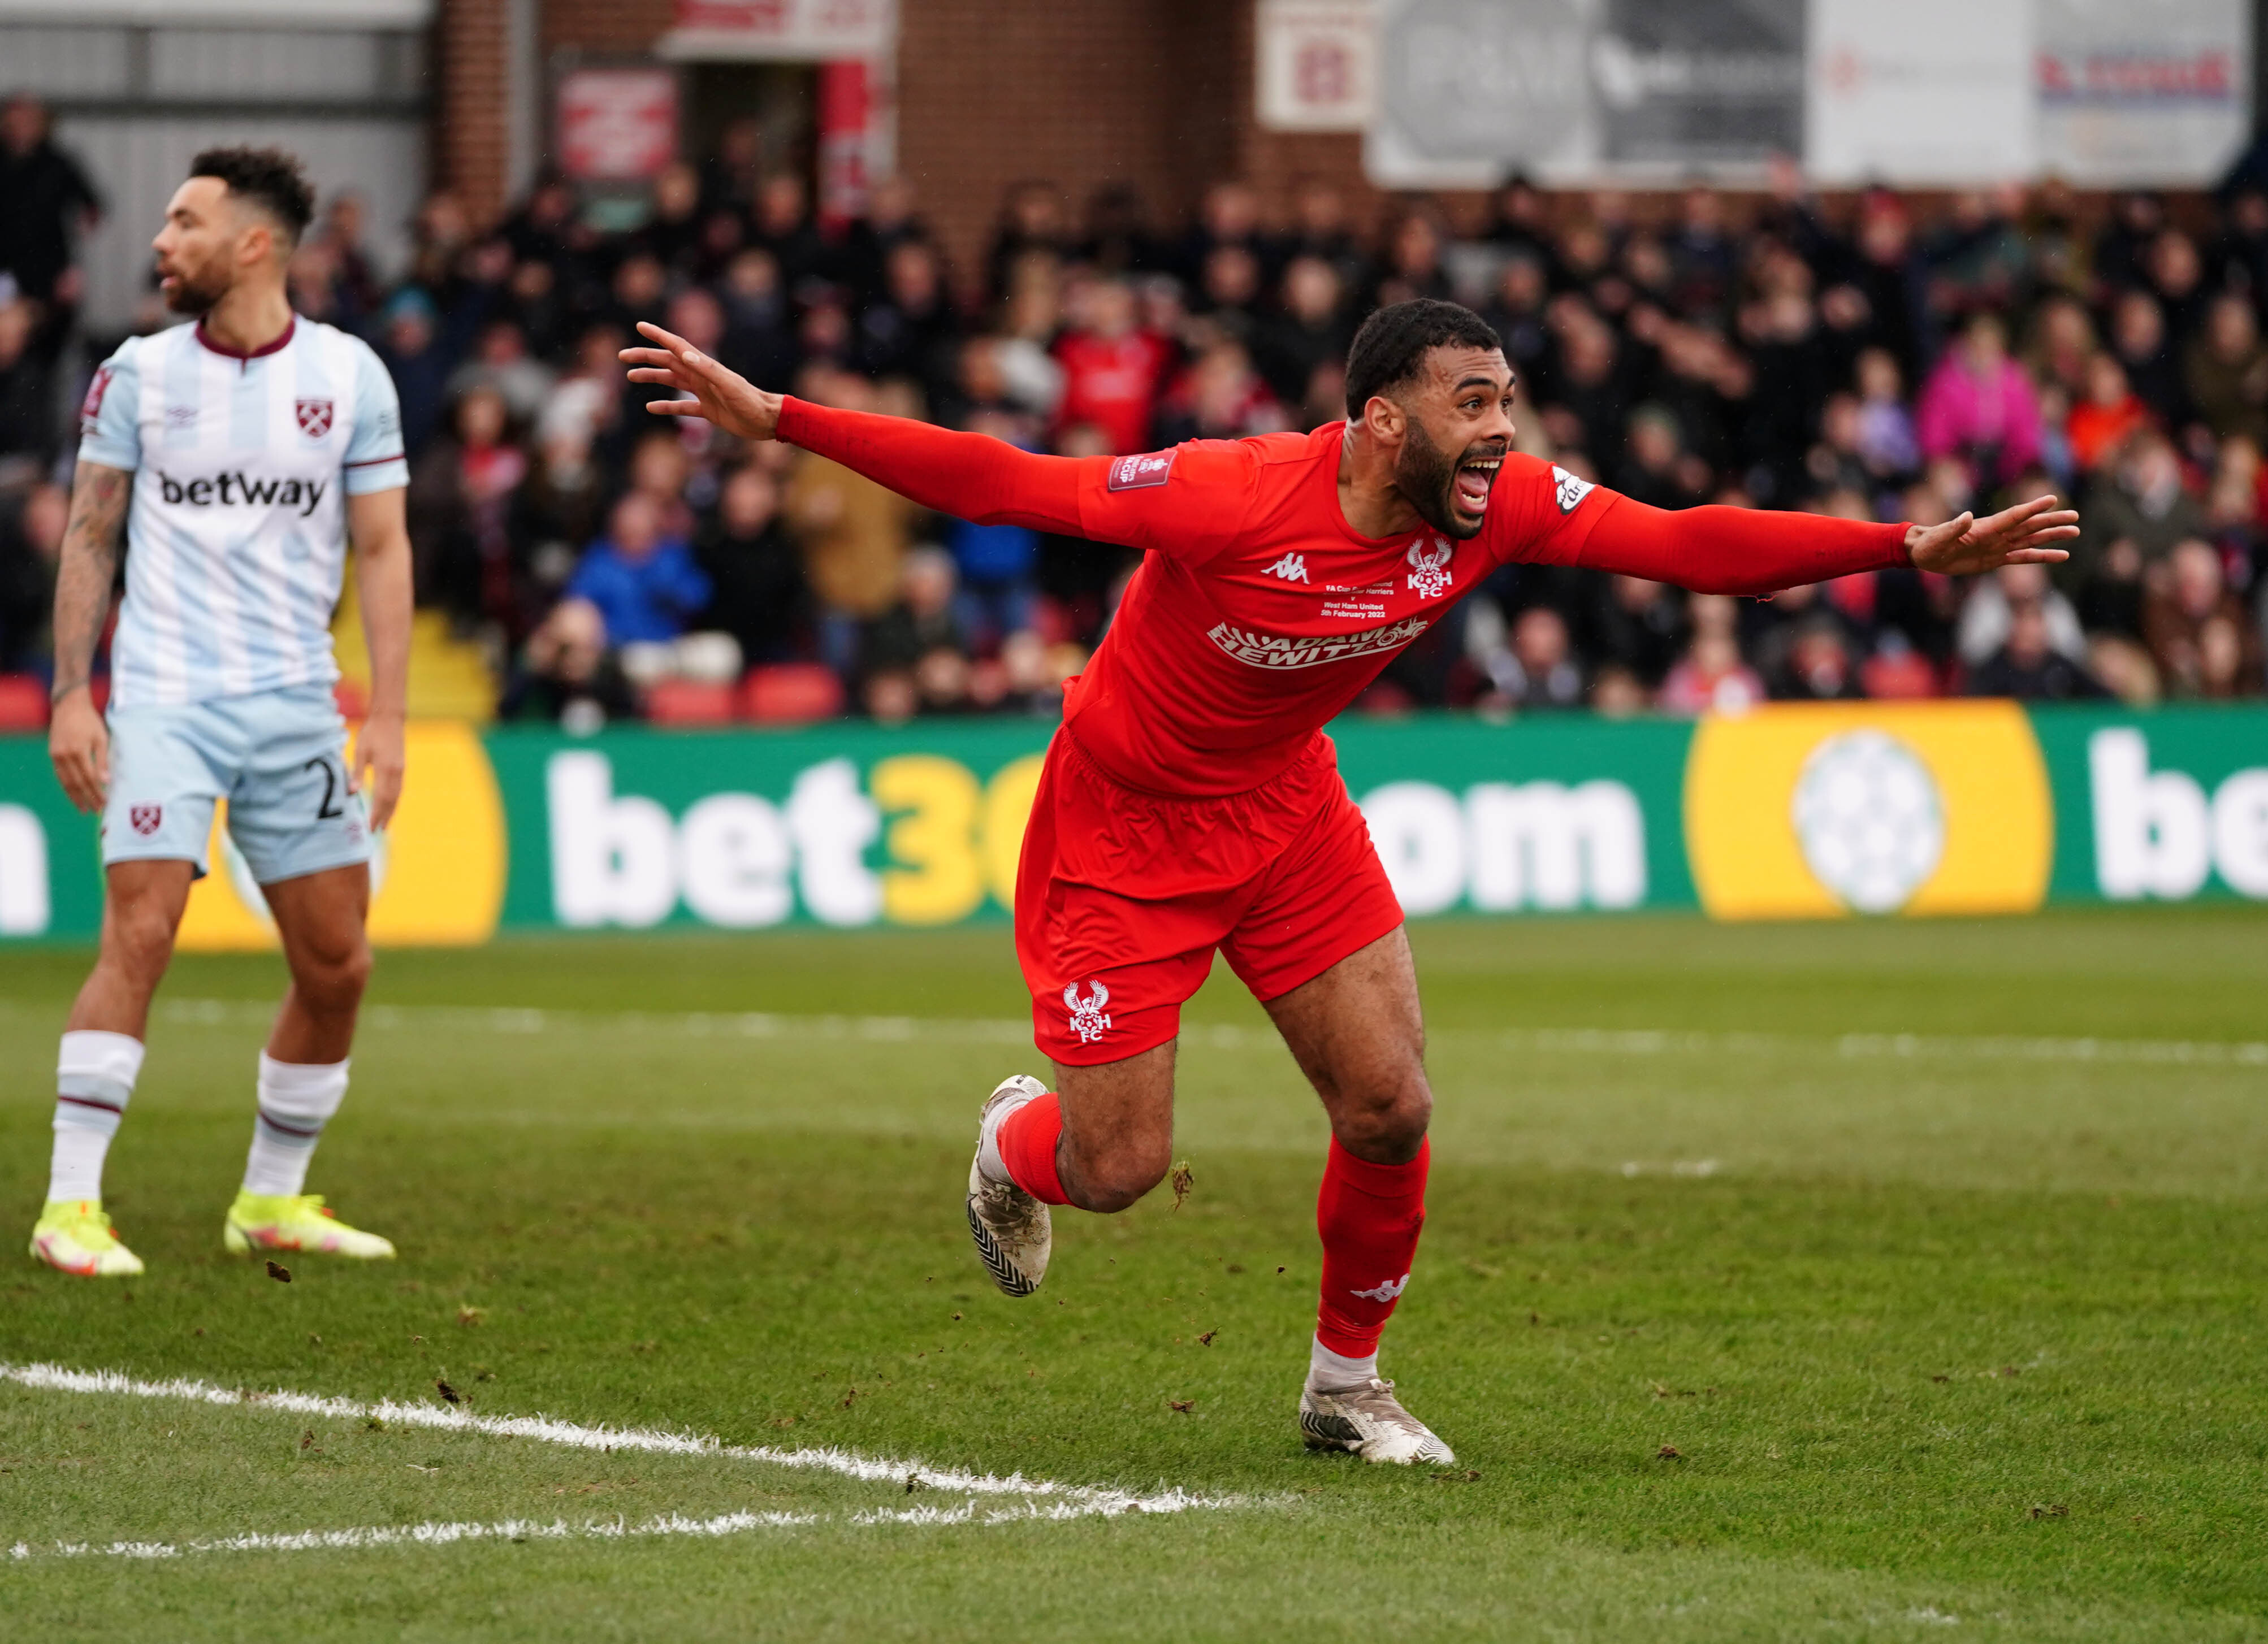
[
  {"x": 1578, "y": 1041},
  {"x": 1081, "y": 1500},
  {"x": 429, "y": 1534},
  {"x": 445, "y": 1533}
]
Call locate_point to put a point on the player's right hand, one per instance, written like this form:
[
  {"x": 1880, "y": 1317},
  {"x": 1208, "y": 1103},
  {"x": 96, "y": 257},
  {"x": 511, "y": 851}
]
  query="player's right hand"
[
  {"x": 721, "y": 396},
  {"x": 80, "y": 743}
]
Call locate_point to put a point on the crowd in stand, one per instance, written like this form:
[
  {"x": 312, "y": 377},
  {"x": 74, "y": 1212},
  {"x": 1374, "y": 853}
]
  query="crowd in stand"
[{"x": 1881, "y": 361}]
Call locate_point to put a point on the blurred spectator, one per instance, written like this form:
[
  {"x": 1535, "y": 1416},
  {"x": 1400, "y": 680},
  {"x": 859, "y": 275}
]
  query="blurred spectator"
[
  {"x": 2027, "y": 664},
  {"x": 2199, "y": 634},
  {"x": 558, "y": 507},
  {"x": 2138, "y": 337},
  {"x": 996, "y": 565},
  {"x": 1710, "y": 676},
  {"x": 501, "y": 363},
  {"x": 45, "y": 200},
  {"x": 565, "y": 673},
  {"x": 2128, "y": 520},
  {"x": 1219, "y": 397},
  {"x": 1984, "y": 619},
  {"x": 2225, "y": 370},
  {"x": 460, "y": 494},
  {"x": 2110, "y": 414},
  {"x": 31, "y": 543},
  {"x": 854, "y": 535},
  {"x": 27, "y": 407},
  {"x": 411, "y": 347},
  {"x": 1543, "y": 671},
  {"x": 1113, "y": 370},
  {"x": 646, "y": 587},
  {"x": 1979, "y": 407},
  {"x": 753, "y": 569},
  {"x": 1031, "y": 220},
  {"x": 1309, "y": 331},
  {"x": 910, "y": 330},
  {"x": 917, "y": 636}
]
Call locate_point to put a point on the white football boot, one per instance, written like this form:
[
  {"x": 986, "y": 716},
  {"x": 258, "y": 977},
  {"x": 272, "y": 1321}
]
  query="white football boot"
[
  {"x": 1369, "y": 1420},
  {"x": 1010, "y": 1227}
]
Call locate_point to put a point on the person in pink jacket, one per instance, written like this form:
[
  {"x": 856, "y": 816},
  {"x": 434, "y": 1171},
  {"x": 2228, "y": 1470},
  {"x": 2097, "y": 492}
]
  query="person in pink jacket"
[{"x": 1978, "y": 405}]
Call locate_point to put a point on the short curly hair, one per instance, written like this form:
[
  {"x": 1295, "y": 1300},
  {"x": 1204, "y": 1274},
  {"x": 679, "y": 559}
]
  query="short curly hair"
[
  {"x": 270, "y": 179},
  {"x": 1394, "y": 342}
]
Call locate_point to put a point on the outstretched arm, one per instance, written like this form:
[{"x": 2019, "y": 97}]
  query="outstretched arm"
[
  {"x": 970, "y": 476},
  {"x": 78, "y": 740},
  {"x": 1749, "y": 551}
]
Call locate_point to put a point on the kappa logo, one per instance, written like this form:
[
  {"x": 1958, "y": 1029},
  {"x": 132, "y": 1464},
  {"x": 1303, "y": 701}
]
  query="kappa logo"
[
  {"x": 145, "y": 819},
  {"x": 1292, "y": 568},
  {"x": 1131, "y": 473},
  {"x": 1385, "y": 1292},
  {"x": 1087, "y": 1018},
  {"x": 1429, "y": 566},
  {"x": 314, "y": 417},
  {"x": 1569, "y": 490}
]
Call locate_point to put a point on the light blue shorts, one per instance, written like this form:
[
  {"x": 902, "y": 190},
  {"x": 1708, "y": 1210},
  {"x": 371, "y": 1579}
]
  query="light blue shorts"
[{"x": 277, "y": 757}]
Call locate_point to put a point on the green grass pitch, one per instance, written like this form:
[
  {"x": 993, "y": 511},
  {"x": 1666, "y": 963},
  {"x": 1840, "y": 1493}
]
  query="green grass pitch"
[{"x": 1953, "y": 1335}]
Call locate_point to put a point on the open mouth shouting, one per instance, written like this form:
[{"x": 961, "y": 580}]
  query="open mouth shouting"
[{"x": 1468, "y": 493}]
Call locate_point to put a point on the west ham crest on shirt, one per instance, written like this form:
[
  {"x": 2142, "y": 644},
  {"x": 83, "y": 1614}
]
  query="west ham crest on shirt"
[
  {"x": 314, "y": 417},
  {"x": 1429, "y": 566},
  {"x": 145, "y": 819}
]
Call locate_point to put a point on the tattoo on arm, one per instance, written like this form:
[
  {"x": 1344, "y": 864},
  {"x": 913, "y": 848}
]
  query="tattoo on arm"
[{"x": 88, "y": 570}]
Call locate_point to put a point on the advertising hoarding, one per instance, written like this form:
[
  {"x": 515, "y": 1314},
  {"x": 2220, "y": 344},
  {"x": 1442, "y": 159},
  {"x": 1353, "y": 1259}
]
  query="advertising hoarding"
[{"x": 1788, "y": 812}]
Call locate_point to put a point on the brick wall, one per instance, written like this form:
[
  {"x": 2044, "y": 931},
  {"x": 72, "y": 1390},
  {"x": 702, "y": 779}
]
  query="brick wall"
[
  {"x": 991, "y": 92},
  {"x": 472, "y": 143}
]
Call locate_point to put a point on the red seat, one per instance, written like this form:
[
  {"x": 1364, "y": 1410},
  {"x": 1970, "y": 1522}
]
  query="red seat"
[
  {"x": 353, "y": 700},
  {"x": 23, "y": 703},
  {"x": 791, "y": 693},
  {"x": 689, "y": 702}
]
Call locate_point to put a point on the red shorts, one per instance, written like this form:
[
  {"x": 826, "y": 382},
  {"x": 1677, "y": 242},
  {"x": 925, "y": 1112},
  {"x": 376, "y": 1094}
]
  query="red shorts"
[{"x": 1122, "y": 895}]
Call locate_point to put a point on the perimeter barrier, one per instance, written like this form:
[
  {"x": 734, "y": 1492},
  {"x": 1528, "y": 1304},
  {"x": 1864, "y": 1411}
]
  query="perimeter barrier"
[{"x": 1788, "y": 812}]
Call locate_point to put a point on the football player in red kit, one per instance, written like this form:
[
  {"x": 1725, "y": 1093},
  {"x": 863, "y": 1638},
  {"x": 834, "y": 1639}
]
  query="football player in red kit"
[{"x": 1191, "y": 801}]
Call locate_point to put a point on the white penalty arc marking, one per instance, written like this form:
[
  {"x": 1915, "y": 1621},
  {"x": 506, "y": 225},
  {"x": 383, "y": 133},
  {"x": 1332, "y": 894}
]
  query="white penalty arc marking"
[
  {"x": 1042, "y": 1498},
  {"x": 761, "y": 1024}
]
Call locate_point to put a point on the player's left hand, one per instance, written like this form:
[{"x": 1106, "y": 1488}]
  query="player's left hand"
[
  {"x": 721, "y": 395},
  {"x": 378, "y": 764},
  {"x": 1970, "y": 546}
]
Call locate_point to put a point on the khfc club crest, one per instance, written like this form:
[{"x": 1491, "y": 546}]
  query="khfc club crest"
[
  {"x": 145, "y": 819},
  {"x": 1429, "y": 566},
  {"x": 314, "y": 417},
  {"x": 1087, "y": 1018}
]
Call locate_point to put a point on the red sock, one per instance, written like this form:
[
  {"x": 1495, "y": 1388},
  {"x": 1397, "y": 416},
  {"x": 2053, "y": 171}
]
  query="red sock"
[
  {"x": 1369, "y": 1216},
  {"x": 1027, "y": 1147}
]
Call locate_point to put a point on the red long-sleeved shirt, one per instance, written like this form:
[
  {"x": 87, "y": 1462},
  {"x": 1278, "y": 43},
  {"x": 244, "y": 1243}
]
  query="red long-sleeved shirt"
[{"x": 1259, "y": 615}]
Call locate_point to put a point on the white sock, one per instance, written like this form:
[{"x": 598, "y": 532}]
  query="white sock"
[
  {"x": 94, "y": 1079},
  {"x": 297, "y": 1099},
  {"x": 1326, "y": 1369}
]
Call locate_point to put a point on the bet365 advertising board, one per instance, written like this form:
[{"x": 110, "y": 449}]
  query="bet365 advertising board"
[{"x": 1789, "y": 812}]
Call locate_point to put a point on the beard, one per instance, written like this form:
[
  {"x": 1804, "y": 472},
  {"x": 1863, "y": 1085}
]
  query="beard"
[
  {"x": 1426, "y": 475},
  {"x": 195, "y": 295}
]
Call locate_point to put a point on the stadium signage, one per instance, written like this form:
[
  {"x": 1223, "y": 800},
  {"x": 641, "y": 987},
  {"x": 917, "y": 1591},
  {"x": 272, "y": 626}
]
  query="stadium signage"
[{"x": 1819, "y": 812}]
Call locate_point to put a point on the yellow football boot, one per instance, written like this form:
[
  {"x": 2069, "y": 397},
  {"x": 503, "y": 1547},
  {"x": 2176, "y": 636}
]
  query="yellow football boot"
[
  {"x": 74, "y": 1236},
  {"x": 260, "y": 1221}
]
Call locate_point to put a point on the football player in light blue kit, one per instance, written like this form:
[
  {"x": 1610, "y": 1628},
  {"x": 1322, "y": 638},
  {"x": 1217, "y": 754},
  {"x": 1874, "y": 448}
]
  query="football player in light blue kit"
[{"x": 251, "y": 445}]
